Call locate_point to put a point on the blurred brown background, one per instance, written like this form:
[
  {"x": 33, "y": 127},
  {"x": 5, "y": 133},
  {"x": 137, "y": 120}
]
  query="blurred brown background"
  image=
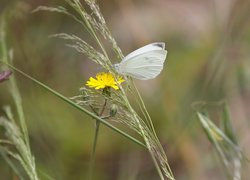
[{"x": 208, "y": 43}]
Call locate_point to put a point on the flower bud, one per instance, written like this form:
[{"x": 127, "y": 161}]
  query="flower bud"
[
  {"x": 85, "y": 94},
  {"x": 113, "y": 110}
]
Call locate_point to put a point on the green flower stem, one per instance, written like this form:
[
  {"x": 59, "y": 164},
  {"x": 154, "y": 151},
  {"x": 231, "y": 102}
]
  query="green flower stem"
[
  {"x": 97, "y": 127},
  {"x": 78, "y": 106},
  {"x": 92, "y": 160}
]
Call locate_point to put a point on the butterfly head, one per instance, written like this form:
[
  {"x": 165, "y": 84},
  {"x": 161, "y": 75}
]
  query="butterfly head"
[{"x": 117, "y": 67}]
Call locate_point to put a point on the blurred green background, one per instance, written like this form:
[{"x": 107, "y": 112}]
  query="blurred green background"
[{"x": 208, "y": 43}]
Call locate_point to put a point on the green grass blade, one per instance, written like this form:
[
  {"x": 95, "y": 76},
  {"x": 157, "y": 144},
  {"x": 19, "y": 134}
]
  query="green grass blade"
[{"x": 227, "y": 124}]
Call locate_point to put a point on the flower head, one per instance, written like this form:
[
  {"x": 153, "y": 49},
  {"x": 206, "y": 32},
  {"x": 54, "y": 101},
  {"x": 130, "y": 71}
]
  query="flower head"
[{"x": 104, "y": 80}]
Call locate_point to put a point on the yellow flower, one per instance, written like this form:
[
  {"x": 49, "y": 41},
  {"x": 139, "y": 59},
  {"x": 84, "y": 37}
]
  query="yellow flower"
[{"x": 104, "y": 80}]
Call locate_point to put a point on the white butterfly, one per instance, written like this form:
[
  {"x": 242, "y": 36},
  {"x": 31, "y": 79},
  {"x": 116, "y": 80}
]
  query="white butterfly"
[{"x": 144, "y": 63}]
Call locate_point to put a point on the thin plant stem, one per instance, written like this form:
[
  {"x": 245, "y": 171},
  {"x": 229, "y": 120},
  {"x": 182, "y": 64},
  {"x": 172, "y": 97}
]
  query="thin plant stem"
[
  {"x": 93, "y": 154},
  {"x": 79, "y": 8},
  {"x": 151, "y": 126},
  {"x": 143, "y": 135},
  {"x": 103, "y": 107},
  {"x": 144, "y": 110}
]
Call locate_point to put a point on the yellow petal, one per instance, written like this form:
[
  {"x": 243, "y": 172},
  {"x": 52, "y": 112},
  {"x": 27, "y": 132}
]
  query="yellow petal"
[{"x": 104, "y": 80}]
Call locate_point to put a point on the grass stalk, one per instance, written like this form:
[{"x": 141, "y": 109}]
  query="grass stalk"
[
  {"x": 93, "y": 154},
  {"x": 79, "y": 8},
  {"x": 97, "y": 127}
]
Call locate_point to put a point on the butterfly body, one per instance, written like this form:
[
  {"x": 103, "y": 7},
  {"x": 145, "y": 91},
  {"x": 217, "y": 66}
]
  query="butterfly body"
[{"x": 144, "y": 63}]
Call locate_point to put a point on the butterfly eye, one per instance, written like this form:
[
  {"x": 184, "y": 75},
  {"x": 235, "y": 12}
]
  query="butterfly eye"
[{"x": 116, "y": 66}]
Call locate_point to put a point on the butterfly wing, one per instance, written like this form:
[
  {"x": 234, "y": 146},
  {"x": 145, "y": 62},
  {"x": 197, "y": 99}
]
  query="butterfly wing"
[
  {"x": 144, "y": 49},
  {"x": 145, "y": 64}
]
